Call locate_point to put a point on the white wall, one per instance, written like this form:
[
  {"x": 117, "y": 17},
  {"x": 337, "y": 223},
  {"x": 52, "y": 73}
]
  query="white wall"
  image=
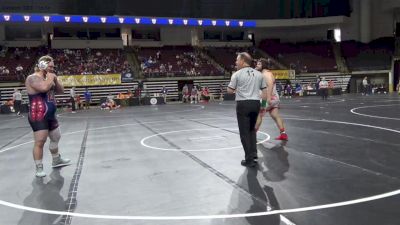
[
  {"x": 75, "y": 44},
  {"x": 389, "y": 4},
  {"x": 351, "y": 27},
  {"x": 382, "y": 20},
  {"x": 176, "y": 35},
  {"x": 301, "y": 22}
]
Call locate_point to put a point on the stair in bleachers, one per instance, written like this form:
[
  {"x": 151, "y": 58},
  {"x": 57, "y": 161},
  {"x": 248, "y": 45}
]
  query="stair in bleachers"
[{"x": 275, "y": 62}]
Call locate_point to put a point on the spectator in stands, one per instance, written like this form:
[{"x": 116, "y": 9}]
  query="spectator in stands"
[
  {"x": 88, "y": 98},
  {"x": 20, "y": 72},
  {"x": 3, "y": 52},
  {"x": 323, "y": 86},
  {"x": 4, "y": 71},
  {"x": 17, "y": 54},
  {"x": 162, "y": 68},
  {"x": 72, "y": 96},
  {"x": 158, "y": 55}
]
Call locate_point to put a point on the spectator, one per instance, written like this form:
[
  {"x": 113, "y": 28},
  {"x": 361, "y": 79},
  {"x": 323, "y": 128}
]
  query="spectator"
[
  {"x": 323, "y": 86},
  {"x": 331, "y": 84},
  {"x": 221, "y": 92},
  {"x": 88, "y": 98},
  {"x": 78, "y": 101},
  {"x": 193, "y": 95},
  {"x": 17, "y": 99},
  {"x": 164, "y": 93},
  {"x": 20, "y": 72},
  {"x": 365, "y": 86},
  {"x": 72, "y": 96},
  {"x": 317, "y": 83},
  {"x": 158, "y": 55},
  {"x": 205, "y": 94},
  {"x": 398, "y": 88},
  {"x": 185, "y": 94},
  {"x": 299, "y": 90},
  {"x": 288, "y": 91}
]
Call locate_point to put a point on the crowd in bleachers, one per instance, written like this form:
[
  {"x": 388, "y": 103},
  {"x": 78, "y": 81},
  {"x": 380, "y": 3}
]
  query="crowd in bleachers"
[
  {"x": 187, "y": 61},
  {"x": 89, "y": 61},
  {"x": 226, "y": 56},
  {"x": 15, "y": 63},
  {"x": 175, "y": 61}
]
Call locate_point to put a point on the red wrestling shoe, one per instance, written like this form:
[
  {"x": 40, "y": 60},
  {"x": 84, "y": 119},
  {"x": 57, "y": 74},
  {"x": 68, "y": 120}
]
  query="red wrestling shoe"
[{"x": 282, "y": 137}]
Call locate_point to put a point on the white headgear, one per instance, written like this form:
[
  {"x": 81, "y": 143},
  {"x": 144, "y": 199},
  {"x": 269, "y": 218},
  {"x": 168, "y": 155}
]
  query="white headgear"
[{"x": 43, "y": 65}]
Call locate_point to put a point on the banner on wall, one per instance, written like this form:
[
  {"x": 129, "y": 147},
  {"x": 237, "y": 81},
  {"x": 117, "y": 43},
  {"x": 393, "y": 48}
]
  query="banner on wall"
[
  {"x": 90, "y": 80},
  {"x": 284, "y": 74},
  {"x": 127, "y": 77}
]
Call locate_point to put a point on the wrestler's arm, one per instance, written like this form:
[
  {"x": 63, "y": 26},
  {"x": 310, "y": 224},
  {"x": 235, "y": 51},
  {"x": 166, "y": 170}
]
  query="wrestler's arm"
[
  {"x": 59, "y": 88},
  {"x": 38, "y": 84}
]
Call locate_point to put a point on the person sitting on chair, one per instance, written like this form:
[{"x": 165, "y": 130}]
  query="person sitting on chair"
[{"x": 205, "y": 94}]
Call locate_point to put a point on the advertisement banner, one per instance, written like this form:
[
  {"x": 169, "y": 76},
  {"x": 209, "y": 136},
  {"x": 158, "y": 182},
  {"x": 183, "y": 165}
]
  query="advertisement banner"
[
  {"x": 284, "y": 74},
  {"x": 90, "y": 80}
]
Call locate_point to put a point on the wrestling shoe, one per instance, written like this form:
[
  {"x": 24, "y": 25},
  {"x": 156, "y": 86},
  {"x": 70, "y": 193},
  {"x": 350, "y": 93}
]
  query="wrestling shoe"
[
  {"x": 282, "y": 137},
  {"x": 39, "y": 171},
  {"x": 59, "y": 162}
]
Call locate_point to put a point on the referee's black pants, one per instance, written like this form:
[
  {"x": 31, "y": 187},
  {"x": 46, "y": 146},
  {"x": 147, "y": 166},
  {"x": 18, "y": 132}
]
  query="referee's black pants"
[
  {"x": 324, "y": 93},
  {"x": 17, "y": 106},
  {"x": 247, "y": 113}
]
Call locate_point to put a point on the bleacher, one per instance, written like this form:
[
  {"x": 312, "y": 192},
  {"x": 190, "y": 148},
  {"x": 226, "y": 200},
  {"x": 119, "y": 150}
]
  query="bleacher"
[
  {"x": 377, "y": 55},
  {"x": 311, "y": 57},
  {"x": 89, "y": 61},
  {"x": 225, "y": 56},
  {"x": 183, "y": 60},
  {"x": 26, "y": 57}
]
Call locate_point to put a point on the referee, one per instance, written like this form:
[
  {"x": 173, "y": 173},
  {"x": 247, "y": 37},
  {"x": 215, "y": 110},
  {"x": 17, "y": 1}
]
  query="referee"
[{"x": 246, "y": 83}]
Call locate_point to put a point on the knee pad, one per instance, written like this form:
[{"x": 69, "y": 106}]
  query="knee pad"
[{"x": 54, "y": 136}]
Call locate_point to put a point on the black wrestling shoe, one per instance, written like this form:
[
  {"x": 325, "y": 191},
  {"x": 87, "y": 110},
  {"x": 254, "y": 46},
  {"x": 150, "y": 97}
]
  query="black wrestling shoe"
[{"x": 248, "y": 163}]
